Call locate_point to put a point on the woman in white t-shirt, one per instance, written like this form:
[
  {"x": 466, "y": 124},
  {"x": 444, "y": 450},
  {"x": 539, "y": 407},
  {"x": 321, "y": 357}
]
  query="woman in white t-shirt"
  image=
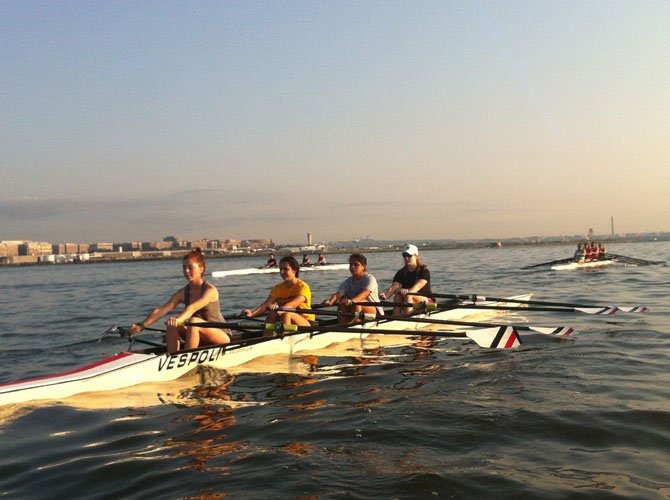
[{"x": 359, "y": 287}]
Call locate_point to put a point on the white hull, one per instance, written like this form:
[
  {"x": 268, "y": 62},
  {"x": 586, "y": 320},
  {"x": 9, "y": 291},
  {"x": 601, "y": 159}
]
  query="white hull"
[
  {"x": 256, "y": 270},
  {"x": 131, "y": 368},
  {"x": 581, "y": 265}
]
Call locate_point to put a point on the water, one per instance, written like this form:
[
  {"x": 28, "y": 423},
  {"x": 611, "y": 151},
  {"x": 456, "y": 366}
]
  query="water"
[{"x": 586, "y": 418}]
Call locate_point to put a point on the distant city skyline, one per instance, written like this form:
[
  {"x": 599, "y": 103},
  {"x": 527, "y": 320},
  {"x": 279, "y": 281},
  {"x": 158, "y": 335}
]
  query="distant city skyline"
[{"x": 439, "y": 119}]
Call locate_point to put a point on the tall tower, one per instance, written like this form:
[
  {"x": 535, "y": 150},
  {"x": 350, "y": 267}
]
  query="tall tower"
[
  {"x": 309, "y": 238},
  {"x": 612, "y": 218}
]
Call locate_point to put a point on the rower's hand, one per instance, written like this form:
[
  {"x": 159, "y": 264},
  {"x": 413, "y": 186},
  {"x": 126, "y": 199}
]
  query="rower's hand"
[
  {"x": 274, "y": 306},
  {"x": 382, "y": 296},
  {"x": 135, "y": 329},
  {"x": 171, "y": 321},
  {"x": 247, "y": 313},
  {"x": 403, "y": 291}
]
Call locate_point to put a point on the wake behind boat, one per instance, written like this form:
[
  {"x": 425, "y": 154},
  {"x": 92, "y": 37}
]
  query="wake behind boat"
[
  {"x": 269, "y": 270},
  {"x": 154, "y": 364}
]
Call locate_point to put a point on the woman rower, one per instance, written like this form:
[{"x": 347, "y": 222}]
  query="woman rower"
[
  {"x": 292, "y": 292},
  {"x": 359, "y": 287},
  {"x": 580, "y": 253},
  {"x": 602, "y": 251},
  {"x": 595, "y": 251},
  {"x": 588, "y": 252},
  {"x": 201, "y": 304},
  {"x": 321, "y": 261},
  {"x": 272, "y": 262},
  {"x": 413, "y": 277},
  {"x": 305, "y": 261}
]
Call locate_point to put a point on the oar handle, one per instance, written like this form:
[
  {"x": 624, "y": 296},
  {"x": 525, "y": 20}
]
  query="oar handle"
[
  {"x": 356, "y": 315},
  {"x": 417, "y": 306}
]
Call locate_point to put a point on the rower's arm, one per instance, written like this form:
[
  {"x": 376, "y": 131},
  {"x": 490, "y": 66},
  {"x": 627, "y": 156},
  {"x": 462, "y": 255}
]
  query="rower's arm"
[
  {"x": 295, "y": 301},
  {"x": 333, "y": 298},
  {"x": 395, "y": 286},
  {"x": 418, "y": 285},
  {"x": 260, "y": 309},
  {"x": 362, "y": 297},
  {"x": 157, "y": 313}
]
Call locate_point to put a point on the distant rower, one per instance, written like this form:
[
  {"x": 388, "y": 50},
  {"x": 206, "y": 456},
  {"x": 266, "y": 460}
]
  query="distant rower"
[{"x": 272, "y": 262}]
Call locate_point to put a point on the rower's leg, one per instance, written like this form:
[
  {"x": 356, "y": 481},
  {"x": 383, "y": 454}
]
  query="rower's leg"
[
  {"x": 192, "y": 339},
  {"x": 291, "y": 318},
  {"x": 343, "y": 308},
  {"x": 172, "y": 338},
  {"x": 401, "y": 299}
]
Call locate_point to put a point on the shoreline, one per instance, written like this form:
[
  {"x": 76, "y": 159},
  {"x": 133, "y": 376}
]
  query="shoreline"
[{"x": 143, "y": 256}]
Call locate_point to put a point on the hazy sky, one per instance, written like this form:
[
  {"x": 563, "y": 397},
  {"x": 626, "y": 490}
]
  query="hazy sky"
[{"x": 132, "y": 120}]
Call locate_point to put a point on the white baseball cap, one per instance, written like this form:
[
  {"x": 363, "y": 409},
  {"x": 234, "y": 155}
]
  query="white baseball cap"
[{"x": 410, "y": 249}]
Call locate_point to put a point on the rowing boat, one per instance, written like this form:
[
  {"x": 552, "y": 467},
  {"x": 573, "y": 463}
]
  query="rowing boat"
[
  {"x": 262, "y": 270},
  {"x": 154, "y": 364},
  {"x": 582, "y": 265}
]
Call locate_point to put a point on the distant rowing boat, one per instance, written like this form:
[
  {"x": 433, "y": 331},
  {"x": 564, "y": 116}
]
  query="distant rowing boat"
[
  {"x": 154, "y": 364},
  {"x": 262, "y": 270},
  {"x": 582, "y": 265}
]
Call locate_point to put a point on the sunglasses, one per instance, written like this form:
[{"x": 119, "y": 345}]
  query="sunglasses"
[{"x": 406, "y": 255}]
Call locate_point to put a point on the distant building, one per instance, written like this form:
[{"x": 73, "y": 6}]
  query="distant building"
[
  {"x": 35, "y": 248},
  {"x": 157, "y": 245},
  {"x": 9, "y": 248},
  {"x": 102, "y": 247},
  {"x": 199, "y": 243}
]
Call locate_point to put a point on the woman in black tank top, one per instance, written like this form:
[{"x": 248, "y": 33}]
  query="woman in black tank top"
[
  {"x": 201, "y": 304},
  {"x": 413, "y": 277}
]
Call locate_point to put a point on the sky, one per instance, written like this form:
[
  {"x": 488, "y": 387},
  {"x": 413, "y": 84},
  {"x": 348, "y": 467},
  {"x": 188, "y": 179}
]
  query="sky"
[{"x": 130, "y": 121}]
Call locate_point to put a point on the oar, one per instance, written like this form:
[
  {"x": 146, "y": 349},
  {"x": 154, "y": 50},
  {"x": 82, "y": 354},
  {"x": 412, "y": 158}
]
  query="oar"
[
  {"x": 501, "y": 307},
  {"x": 500, "y": 337},
  {"x": 560, "y": 261},
  {"x": 124, "y": 332},
  {"x": 363, "y": 316},
  {"x": 560, "y": 331},
  {"x": 633, "y": 260},
  {"x": 224, "y": 325},
  {"x": 585, "y": 308}
]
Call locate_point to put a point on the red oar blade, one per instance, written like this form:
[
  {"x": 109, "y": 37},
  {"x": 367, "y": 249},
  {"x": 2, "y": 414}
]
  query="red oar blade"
[
  {"x": 561, "y": 331},
  {"x": 503, "y": 337}
]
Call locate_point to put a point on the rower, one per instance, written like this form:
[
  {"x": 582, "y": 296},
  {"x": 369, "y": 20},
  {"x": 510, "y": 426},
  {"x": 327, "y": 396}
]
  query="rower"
[
  {"x": 595, "y": 251},
  {"x": 359, "y": 287},
  {"x": 321, "y": 261},
  {"x": 201, "y": 304},
  {"x": 602, "y": 251},
  {"x": 272, "y": 262},
  {"x": 580, "y": 253},
  {"x": 588, "y": 252},
  {"x": 292, "y": 292},
  {"x": 413, "y": 277},
  {"x": 305, "y": 261}
]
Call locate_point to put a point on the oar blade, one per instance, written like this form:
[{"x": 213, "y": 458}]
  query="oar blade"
[
  {"x": 598, "y": 310},
  {"x": 561, "y": 331},
  {"x": 503, "y": 337},
  {"x": 633, "y": 309}
]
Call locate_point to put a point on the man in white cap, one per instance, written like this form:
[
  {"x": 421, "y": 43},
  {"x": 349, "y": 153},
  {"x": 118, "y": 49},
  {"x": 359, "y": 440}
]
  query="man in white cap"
[{"x": 413, "y": 277}]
